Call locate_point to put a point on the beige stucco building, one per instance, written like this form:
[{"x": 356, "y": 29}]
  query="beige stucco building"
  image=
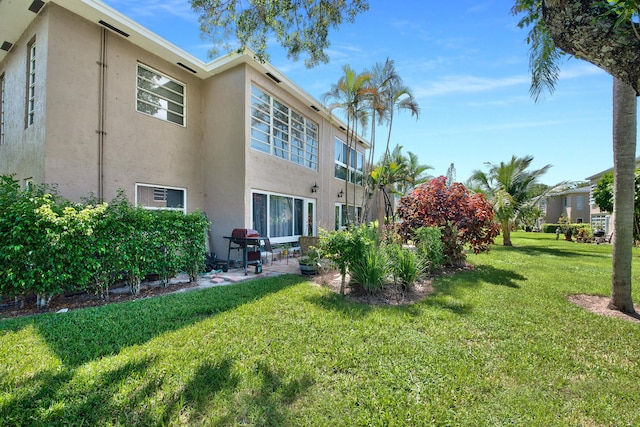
[
  {"x": 578, "y": 205},
  {"x": 573, "y": 204},
  {"x": 93, "y": 102}
]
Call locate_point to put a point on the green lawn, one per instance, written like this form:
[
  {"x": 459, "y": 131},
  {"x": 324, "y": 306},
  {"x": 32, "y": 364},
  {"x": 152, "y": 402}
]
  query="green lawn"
[{"x": 499, "y": 345}]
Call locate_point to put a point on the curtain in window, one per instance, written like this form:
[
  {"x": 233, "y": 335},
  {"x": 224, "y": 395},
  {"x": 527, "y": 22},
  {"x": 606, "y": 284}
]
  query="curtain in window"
[
  {"x": 281, "y": 216},
  {"x": 260, "y": 213},
  {"x": 299, "y": 212}
]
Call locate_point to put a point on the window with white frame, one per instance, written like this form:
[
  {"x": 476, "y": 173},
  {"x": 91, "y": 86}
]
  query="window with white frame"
[
  {"x": 579, "y": 203},
  {"x": 355, "y": 160},
  {"x": 599, "y": 222},
  {"x": 278, "y": 130},
  {"x": 160, "y": 96},
  {"x": 2, "y": 96},
  {"x": 281, "y": 217},
  {"x": 341, "y": 220},
  {"x": 161, "y": 197},
  {"x": 31, "y": 83}
]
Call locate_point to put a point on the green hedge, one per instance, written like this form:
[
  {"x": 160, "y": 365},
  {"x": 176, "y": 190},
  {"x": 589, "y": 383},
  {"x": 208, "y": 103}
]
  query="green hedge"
[
  {"x": 49, "y": 245},
  {"x": 580, "y": 232}
]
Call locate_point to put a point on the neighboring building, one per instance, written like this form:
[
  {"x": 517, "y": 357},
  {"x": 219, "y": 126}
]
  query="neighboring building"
[
  {"x": 578, "y": 205},
  {"x": 602, "y": 220},
  {"x": 93, "y": 102},
  {"x": 573, "y": 204}
]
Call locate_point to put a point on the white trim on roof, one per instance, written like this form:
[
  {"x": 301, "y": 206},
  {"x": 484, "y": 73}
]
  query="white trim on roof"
[{"x": 15, "y": 18}]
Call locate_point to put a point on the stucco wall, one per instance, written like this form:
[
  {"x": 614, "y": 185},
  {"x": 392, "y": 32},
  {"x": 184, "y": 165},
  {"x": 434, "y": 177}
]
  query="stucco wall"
[
  {"x": 138, "y": 148},
  {"x": 72, "y": 104},
  {"x": 22, "y": 154},
  {"x": 61, "y": 147},
  {"x": 224, "y": 154}
]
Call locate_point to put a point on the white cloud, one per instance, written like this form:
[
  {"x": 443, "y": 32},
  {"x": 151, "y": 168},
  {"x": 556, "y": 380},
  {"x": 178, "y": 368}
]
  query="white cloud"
[
  {"x": 468, "y": 84},
  {"x": 580, "y": 69}
]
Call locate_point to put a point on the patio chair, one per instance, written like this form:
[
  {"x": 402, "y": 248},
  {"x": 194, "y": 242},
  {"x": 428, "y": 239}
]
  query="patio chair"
[{"x": 267, "y": 248}]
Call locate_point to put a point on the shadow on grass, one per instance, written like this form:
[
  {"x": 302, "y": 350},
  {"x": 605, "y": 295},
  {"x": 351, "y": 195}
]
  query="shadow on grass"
[
  {"x": 449, "y": 290},
  {"x": 447, "y": 295},
  {"x": 332, "y": 301},
  {"x": 48, "y": 399},
  {"x": 88, "y": 334},
  {"x": 559, "y": 252},
  {"x": 135, "y": 395}
]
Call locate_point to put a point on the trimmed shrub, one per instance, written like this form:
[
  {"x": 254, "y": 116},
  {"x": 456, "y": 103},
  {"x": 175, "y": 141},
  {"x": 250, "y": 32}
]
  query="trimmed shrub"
[{"x": 49, "y": 245}]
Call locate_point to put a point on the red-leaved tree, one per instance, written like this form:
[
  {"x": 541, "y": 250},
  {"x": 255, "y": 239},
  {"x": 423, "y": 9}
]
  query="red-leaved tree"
[{"x": 463, "y": 218}]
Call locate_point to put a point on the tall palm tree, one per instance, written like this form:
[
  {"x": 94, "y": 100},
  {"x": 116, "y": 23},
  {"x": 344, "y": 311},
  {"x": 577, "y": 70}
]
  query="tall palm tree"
[
  {"x": 398, "y": 97},
  {"x": 624, "y": 152},
  {"x": 381, "y": 75},
  {"x": 508, "y": 186},
  {"x": 349, "y": 94},
  {"x": 605, "y": 34}
]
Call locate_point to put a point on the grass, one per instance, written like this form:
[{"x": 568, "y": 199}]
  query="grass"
[{"x": 499, "y": 345}]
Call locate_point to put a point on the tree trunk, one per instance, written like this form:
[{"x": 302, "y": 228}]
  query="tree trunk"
[
  {"x": 587, "y": 30},
  {"x": 624, "y": 151},
  {"x": 506, "y": 233}
]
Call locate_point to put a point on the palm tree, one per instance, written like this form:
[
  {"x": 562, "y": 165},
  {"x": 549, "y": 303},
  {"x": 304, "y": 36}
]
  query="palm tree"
[
  {"x": 399, "y": 97},
  {"x": 624, "y": 151},
  {"x": 508, "y": 186},
  {"x": 348, "y": 94},
  {"x": 400, "y": 174},
  {"x": 605, "y": 34},
  {"x": 395, "y": 96},
  {"x": 381, "y": 74},
  {"x": 415, "y": 173}
]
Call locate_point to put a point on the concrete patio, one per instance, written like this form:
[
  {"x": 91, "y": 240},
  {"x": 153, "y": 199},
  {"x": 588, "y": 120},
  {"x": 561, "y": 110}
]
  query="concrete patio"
[{"x": 236, "y": 274}]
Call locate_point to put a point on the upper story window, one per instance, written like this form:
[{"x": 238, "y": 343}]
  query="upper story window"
[
  {"x": 160, "y": 96},
  {"x": 355, "y": 169},
  {"x": 160, "y": 197},
  {"x": 31, "y": 84},
  {"x": 280, "y": 131},
  {"x": 2, "y": 96},
  {"x": 579, "y": 203}
]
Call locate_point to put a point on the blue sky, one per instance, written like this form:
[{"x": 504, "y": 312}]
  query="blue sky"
[{"x": 467, "y": 66}]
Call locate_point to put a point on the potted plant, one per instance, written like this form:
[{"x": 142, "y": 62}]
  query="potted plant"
[{"x": 309, "y": 263}]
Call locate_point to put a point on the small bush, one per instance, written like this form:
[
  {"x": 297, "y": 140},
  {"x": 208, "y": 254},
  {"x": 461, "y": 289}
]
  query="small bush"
[
  {"x": 405, "y": 265},
  {"x": 371, "y": 270},
  {"x": 428, "y": 241}
]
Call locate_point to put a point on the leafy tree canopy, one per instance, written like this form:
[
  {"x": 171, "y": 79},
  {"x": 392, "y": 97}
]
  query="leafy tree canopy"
[
  {"x": 300, "y": 26},
  {"x": 603, "y": 197}
]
